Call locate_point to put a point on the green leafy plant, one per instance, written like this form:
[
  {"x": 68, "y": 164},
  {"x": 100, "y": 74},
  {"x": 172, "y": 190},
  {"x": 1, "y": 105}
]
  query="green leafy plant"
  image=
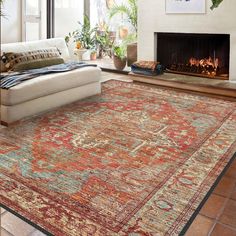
[
  {"x": 120, "y": 51},
  {"x": 215, "y": 3},
  {"x": 129, "y": 39},
  {"x": 119, "y": 56},
  {"x": 85, "y": 34},
  {"x": 105, "y": 41},
  {"x": 130, "y": 10}
]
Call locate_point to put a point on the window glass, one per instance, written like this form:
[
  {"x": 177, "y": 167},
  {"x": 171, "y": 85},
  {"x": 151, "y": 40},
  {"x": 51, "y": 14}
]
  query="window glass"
[
  {"x": 33, "y": 31},
  {"x": 34, "y": 20},
  {"x": 99, "y": 15},
  {"x": 32, "y": 7},
  {"x": 67, "y": 15}
]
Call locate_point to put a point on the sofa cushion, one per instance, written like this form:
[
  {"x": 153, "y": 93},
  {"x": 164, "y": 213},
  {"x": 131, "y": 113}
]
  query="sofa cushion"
[
  {"x": 49, "y": 84},
  {"x": 32, "y": 59},
  {"x": 39, "y": 63},
  {"x": 36, "y": 45}
]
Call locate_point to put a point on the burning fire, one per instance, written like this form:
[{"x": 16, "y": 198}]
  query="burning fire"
[{"x": 209, "y": 65}]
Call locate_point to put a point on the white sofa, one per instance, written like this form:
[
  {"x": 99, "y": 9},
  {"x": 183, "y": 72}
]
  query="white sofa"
[{"x": 47, "y": 91}]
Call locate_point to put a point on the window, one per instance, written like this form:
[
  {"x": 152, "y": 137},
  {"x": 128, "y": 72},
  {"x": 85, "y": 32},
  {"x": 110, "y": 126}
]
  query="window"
[
  {"x": 67, "y": 15},
  {"x": 99, "y": 15},
  {"x": 33, "y": 17}
]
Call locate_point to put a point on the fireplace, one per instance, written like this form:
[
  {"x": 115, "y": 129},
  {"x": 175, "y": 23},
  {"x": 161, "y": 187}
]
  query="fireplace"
[{"x": 204, "y": 55}]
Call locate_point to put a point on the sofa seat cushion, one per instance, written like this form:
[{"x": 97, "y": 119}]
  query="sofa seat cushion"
[{"x": 49, "y": 84}]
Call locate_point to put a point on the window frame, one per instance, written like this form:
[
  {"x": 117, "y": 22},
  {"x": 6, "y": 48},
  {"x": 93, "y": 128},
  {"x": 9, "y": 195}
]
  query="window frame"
[{"x": 50, "y": 17}]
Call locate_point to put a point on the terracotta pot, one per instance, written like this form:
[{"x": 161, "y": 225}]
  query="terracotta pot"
[
  {"x": 93, "y": 56},
  {"x": 131, "y": 53},
  {"x": 110, "y": 3},
  {"x": 119, "y": 63},
  {"x": 123, "y": 32},
  {"x": 112, "y": 36}
]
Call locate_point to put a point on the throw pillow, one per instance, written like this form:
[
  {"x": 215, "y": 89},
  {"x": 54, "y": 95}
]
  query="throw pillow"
[{"x": 31, "y": 60}]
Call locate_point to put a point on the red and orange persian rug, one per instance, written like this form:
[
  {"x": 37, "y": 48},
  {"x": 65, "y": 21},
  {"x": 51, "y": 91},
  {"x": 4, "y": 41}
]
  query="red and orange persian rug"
[{"x": 134, "y": 160}]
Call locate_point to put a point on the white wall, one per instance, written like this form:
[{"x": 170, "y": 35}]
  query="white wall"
[
  {"x": 152, "y": 18},
  {"x": 11, "y": 25}
]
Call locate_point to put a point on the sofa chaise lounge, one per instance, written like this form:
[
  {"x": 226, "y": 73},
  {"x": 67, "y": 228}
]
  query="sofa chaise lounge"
[{"x": 47, "y": 91}]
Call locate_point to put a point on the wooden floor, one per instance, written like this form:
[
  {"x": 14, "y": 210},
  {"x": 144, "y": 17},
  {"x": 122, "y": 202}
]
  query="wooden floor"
[{"x": 217, "y": 216}]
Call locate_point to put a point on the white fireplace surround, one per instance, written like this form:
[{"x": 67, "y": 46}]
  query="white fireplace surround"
[{"x": 153, "y": 18}]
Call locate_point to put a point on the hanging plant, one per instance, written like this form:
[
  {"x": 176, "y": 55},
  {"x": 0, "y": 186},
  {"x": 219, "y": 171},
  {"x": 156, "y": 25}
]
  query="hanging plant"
[{"x": 215, "y": 3}]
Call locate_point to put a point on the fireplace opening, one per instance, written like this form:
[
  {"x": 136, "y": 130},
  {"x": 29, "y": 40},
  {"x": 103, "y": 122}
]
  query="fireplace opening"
[{"x": 205, "y": 55}]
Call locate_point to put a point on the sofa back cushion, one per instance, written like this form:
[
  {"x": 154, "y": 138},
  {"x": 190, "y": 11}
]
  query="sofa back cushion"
[{"x": 36, "y": 45}]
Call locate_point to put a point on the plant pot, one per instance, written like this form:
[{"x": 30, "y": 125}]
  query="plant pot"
[
  {"x": 86, "y": 55},
  {"x": 119, "y": 63},
  {"x": 93, "y": 56},
  {"x": 79, "y": 53},
  {"x": 71, "y": 48},
  {"x": 123, "y": 32},
  {"x": 112, "y": 36},
  {"x": 131, "y": 53},
  {"x": 110, "y": 3}
]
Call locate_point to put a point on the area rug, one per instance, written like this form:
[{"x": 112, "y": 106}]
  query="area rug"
[{"x": 134, "y": 160}]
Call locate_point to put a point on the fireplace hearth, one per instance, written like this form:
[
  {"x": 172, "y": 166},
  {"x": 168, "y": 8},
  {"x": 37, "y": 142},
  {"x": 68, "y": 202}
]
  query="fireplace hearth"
[{"x": 204, "y": 55}]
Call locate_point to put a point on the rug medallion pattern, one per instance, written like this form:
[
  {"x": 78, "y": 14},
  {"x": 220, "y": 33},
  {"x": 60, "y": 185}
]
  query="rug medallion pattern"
[{"x": 134, "y": 160}]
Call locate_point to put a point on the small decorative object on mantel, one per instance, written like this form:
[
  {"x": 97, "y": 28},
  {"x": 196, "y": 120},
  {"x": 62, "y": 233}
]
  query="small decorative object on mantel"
[
  {"x": 147, "y": 68},
  {"x": 185, "y": 6}
]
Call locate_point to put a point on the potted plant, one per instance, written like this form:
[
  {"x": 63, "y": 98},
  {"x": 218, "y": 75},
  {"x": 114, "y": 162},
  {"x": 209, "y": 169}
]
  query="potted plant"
[
  {"x": 130, "y": 10},
  {"x": 123, "y": 32},
  {"x": 105, "y": 41},
  {"x": 119, "y": 57},
  {"x": 84, "y": 37},
  {"x": 93, "y": 55}
]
